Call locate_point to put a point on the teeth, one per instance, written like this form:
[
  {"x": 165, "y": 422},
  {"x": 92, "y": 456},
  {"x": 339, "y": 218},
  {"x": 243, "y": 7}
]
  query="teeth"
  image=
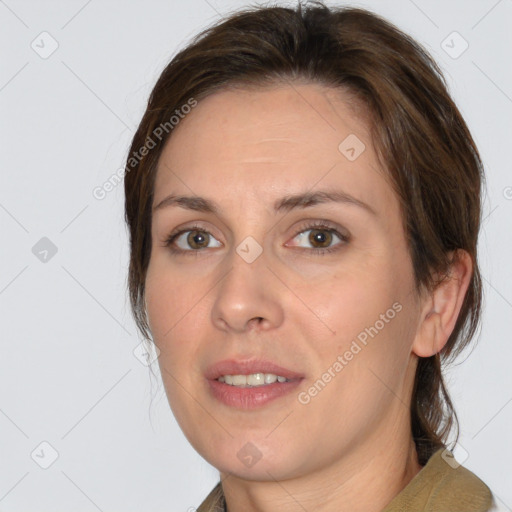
[
  {"x": 270, "y": 378},
  {"x": 252, "y": 380},
  {"x": 255, "y": 379}
]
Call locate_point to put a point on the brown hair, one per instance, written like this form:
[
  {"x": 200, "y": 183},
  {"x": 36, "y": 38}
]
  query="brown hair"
[{"x": 418, "y": 133}]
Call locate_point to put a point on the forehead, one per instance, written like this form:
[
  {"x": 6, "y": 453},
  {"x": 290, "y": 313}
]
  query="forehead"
[{"x": 264, "y": 142}]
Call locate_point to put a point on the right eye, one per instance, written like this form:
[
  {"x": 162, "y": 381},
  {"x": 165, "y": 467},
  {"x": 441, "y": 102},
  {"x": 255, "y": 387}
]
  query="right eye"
[{"x": 192, "y": 240}]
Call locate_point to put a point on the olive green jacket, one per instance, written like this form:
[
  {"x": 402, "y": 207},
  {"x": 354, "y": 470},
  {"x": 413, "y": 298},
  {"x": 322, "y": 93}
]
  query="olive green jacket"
[{"x": 442, "y": 485}]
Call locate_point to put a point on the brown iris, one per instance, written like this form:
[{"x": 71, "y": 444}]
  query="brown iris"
[
  {"x": 320, "y": 238},
  {"x": 198, "y": 239}
]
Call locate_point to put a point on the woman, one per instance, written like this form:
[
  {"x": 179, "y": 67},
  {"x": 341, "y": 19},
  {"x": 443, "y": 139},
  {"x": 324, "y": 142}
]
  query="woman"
[{"x": 303, "y": 199}]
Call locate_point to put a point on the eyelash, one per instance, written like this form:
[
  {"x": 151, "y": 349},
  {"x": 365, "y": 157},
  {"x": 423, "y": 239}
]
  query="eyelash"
[{"x": 323, "y": 225}]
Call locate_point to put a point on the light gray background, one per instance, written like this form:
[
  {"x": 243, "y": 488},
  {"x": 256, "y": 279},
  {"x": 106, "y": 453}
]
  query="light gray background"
[{"x": 68, "y": 374}]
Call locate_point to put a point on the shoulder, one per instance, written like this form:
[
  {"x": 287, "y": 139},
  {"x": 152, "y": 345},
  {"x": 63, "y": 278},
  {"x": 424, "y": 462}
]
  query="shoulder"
[
  {"x": 443, "y": 485},
  {"x": 214, "y": 502}
]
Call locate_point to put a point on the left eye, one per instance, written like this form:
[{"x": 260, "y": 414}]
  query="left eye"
[
  {"x": 194, "y": 240},
  {"x": 319, "y": 238}
]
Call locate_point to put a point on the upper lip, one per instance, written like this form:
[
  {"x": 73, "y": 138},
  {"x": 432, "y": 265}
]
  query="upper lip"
[{"x": 247, "y": 367}]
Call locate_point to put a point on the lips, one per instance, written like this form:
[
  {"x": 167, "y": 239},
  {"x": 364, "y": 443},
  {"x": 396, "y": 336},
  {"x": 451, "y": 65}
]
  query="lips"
[
  {"x": 248, "y": 367},
  {"x": 250, "y": 397}
]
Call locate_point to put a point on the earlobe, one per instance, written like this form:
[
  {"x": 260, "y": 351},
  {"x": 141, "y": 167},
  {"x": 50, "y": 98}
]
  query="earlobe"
[{"x": 441, "y": 307}]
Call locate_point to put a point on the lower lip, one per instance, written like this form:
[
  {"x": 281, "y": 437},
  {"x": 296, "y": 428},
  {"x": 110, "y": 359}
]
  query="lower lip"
[{"x": 251, "y": 398}]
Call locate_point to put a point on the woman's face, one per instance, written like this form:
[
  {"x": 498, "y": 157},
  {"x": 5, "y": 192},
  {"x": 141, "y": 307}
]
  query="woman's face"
[{"x": 290, "y": 252}]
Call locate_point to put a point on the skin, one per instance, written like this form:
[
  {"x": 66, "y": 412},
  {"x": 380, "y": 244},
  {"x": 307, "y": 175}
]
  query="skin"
[{"x": 350, "y": 448}]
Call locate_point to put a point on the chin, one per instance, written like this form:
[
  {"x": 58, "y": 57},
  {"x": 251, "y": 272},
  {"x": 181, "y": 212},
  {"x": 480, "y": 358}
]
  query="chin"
[{"x": 254, "y": 458}]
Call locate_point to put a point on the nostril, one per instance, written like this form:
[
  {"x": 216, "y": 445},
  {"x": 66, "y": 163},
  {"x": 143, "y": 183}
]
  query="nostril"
[{"x": 256, "y": 321}]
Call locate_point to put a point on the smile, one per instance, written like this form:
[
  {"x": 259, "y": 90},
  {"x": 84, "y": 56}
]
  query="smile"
[{"x": 252, "y": 380}]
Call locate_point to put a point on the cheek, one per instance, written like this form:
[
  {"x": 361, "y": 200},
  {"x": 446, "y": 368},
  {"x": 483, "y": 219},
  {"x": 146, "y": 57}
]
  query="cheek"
[
  {"x": 178, "y": 308},
  {"x": 344, "y": 303},
  {"x": 176, "y": 311},
  {"x": 363, "y": 316}
]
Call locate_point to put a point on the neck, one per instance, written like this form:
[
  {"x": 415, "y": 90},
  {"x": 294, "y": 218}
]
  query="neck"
[{"x": 365, "y": 480}]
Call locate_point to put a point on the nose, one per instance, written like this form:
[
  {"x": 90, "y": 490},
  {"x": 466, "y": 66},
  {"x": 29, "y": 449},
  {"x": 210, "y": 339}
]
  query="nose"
[{"x": 248, "y": 297}]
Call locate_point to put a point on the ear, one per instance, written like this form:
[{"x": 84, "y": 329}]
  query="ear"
[{"x": 440, "y": 308}]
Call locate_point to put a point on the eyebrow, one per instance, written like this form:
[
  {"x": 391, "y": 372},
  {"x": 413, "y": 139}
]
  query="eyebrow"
[{"x": 284, "y": 204}]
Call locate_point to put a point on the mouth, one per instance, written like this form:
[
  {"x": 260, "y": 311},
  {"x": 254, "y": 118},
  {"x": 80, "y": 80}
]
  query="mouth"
[
  {"x": 252, "y": 380},
  {"x": 250, "y": 384}
]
